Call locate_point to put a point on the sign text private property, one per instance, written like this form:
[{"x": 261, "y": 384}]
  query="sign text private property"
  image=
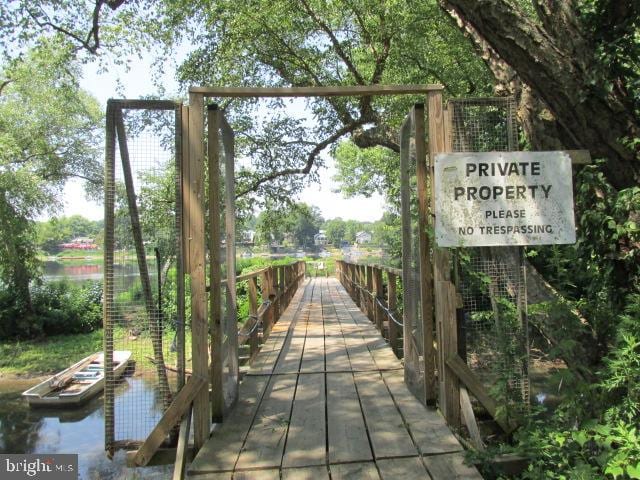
[{"x": 503, "y": 198}]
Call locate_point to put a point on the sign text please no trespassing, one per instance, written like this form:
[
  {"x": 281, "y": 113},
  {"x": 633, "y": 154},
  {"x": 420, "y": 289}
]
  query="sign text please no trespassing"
[{"x": 503, "y": 198}]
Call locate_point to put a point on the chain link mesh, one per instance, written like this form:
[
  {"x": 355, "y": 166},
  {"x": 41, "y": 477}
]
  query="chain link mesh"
[{"x": 492, "y": 280}]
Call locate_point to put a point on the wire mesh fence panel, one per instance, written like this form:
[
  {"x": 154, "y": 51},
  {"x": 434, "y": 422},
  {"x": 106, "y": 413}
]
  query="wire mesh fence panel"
[
  {"x": 143, "y": 274},
  {"x": 491, "y": 280},
  {"x": 228, "y": 304},
  {"x": 411, "y": 274},
  {"x": 484, "y": 124}
]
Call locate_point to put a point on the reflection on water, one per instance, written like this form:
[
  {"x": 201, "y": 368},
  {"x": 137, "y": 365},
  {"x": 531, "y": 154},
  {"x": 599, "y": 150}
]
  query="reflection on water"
[
  {"x": 58, "y": 271},
  {"x": 127, "y": 272},
  {"x": 80, "y": 430}
]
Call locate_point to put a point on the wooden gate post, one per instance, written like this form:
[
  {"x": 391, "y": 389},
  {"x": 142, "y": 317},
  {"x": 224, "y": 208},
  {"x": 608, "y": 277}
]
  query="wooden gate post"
[
  {"x": 378, "y": 287},
  {"x": 392, "y": 304},
  {"x": 444, "y": 290},
  {"x": 426, "y": 281},
  {"x": 199, "y": 327},
  {"x": 370, "y": 292},
  {"x": 265, "y": 286}
]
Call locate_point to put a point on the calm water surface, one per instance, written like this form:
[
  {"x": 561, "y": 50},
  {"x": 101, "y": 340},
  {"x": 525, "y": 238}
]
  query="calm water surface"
[{"x": 79, "y": 430}]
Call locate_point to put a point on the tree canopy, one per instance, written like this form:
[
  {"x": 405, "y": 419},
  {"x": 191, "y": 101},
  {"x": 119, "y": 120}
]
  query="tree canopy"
[{"x": 48, "y": 133}]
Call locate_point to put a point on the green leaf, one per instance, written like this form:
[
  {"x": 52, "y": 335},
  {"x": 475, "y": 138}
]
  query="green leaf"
[
  {"x": 580, "y": 437},
  {"x": 634, "y": 471},
  {"x": 615, "y": 470}
]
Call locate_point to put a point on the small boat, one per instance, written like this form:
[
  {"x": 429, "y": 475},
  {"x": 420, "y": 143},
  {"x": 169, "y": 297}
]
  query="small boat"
[{"x": 78, "y": 383}]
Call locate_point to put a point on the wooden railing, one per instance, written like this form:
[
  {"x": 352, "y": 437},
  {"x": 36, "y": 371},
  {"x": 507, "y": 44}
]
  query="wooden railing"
[
  {"x": 274, "y": 286},
  {"x": 374, "y": 288}
]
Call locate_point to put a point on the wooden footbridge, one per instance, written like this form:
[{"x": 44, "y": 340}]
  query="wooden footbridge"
[
  {"x": 326, "y": 395},
  {"x": 325, "y": 398}
]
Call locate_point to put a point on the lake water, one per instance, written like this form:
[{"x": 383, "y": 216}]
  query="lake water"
[{"x": 79, "y": 430}]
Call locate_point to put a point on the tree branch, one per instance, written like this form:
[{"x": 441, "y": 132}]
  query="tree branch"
[
  {"x": 92, "y": 41},
  {"x": 311, "y": 158},
  {"x": 4, "y": 84},
  {"x": 336, "y": 44}
]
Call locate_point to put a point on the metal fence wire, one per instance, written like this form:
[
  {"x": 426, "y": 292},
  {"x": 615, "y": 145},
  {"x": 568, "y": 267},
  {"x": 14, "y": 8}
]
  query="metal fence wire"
[
  {"x": 144, "y": 293},
  {"x": 413, "y": 348},
  {"x": 491, "y": 280}
]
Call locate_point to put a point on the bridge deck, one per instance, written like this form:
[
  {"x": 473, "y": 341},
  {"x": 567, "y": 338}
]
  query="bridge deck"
[{"x": 325, "y": 398}]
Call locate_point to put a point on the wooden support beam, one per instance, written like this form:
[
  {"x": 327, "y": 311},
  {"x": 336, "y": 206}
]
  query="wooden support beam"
[
  {"x": 470, "y": 419},
  {"x": 426, "y": 267},
  {"x": 232, "y": 369},
  {"x": 466, "y": 376},
  {"x": 215, "y": 274},
  {"x": 253, "y": 312},
  {"x": 409, "y": 305},
  {"x": 179, "y": 406},
  {"x": 182, "y": 152},
  {"x": 392, "y": 299},
  {"x": 182, "y": 450},
  {"x": 267, "y": 286},
  {"x": 199, "y": 327},
  {"x": 445, "y": 297},
  {"x": 579, "y": 157},
  {"x": 370, "y": 300},
  {"x": 444, "y": 290},
  {"x": 275, "y": 291},
  {"x": 330, "y": 91},
  {"x": 378, "y": 289},
  {"x": 163, "y": 456}
]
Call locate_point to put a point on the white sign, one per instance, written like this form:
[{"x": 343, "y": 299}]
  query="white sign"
[{"x": 503, "y": 198}]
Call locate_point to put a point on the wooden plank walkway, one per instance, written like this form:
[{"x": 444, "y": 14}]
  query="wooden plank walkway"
[{"x": 325, "y": 399}]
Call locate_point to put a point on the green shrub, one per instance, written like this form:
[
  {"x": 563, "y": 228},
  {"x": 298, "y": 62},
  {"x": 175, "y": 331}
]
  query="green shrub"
[{"x": 58, "y": 308}]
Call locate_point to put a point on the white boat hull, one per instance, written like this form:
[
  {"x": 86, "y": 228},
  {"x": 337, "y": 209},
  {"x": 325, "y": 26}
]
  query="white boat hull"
[{"x": 86, "y": 383}]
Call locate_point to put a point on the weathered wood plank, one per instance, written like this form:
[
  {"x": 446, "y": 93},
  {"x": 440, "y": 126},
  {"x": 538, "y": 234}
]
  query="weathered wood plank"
[
  {"x": 199, "y": 320},
  {"x": 348, "y": 440},
  {"x": 388, "y": 434},
  {"x": 170, "y": 417},
  {"x": 162, "y": 456},
  {"x": 221, "y": 451},
  {"x": 470, "y": 419},
  {"x": 383, "y": 356},
  {"x": 215, "y": 273},
  {"x": 427, "y": 427},
  {"x": 351, "y": 471},
  {"x": 313, "y": 356},
  {"x": 445, "y": 303},
  {"x": 449, "y": 467},
  {"x": 182, "y": 450},
  {"x": 265, "y": 442},
  {"x": 455, "y": 363},
  {"x": 271, "y": 474},
  {"x": 307, "y": 430},
  {"x": 424, "y": 247},
  {"x": 336, "y": 356},
  {"x": 291, "y": 354},
  {"x": 402, "y": 468},
  {"x": 308, "y": 473},
  {"x": 269, "y": 353}
]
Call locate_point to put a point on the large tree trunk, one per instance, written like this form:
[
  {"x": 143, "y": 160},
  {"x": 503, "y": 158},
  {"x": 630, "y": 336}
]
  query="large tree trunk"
[{"x": 556, "y": 60}]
